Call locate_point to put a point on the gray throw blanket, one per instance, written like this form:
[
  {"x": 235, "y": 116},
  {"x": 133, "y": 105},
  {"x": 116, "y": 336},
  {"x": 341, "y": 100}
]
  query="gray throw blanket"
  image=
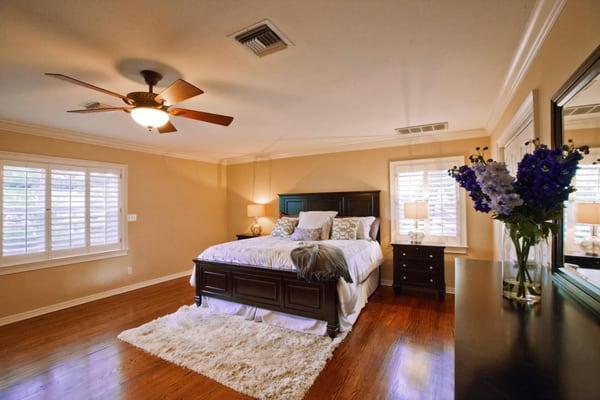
[{"x": 319, "y": 263}]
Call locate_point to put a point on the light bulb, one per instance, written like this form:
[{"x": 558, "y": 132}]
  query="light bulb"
[{"x": 149, "y": 117}]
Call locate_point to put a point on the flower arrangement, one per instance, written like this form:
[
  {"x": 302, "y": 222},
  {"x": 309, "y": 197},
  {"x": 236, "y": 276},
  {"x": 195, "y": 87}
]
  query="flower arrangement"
[{"x": 528, "y": 204}]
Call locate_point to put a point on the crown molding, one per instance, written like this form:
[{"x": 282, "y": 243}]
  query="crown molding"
[
  {"x": 73, "y": 136},
  {"x": 392, "y": 141},
  {"x": 541, "y": 21}
]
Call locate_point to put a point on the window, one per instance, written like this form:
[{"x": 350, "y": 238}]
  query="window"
[
  {"x": 587, "y": 183},
  {"x": 428, "y": 180},
  {"x": 58, "y": 209}
]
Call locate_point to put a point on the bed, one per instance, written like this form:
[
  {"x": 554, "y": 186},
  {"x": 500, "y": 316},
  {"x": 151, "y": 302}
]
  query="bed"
[{"x": 267, "y": 281}]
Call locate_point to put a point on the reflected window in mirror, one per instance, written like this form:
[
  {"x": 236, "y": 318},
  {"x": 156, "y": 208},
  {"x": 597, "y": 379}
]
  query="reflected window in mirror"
[{"x": 581, "y": 125}]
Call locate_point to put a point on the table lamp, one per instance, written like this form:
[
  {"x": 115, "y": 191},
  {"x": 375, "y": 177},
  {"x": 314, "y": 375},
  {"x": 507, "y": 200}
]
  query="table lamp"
[
  {"x": 589, "y": 213},
  {"x": 418, "y": 211},
  {"x": 256, "y": 211}
]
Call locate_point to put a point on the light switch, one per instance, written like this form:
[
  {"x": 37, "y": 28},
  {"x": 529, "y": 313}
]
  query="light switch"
[{"x": 131, "y": 217}]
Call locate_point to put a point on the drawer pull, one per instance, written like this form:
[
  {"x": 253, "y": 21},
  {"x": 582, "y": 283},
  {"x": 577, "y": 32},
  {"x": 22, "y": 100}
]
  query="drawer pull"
[
  {"x": 404, "y": 277},
  {"x": 404, "y": 265},
  {"x": 431, "y": 280},
  {"x": 403, "y": 254},
  {"x": 430, "y": 267},
  {"x": 431, "y": 256}
]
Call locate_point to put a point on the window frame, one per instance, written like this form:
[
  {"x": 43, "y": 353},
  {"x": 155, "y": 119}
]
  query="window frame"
[
  {"x": 50, "y": 258},
  {"x": 429, "y": 164}
]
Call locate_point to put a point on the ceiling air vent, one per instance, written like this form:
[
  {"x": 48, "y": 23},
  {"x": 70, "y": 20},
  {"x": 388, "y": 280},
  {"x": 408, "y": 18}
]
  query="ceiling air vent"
[
  {"x": 428, "y": 128},
  {"x": 262, "y": 38},
  {"x": 585, "y": 109}
]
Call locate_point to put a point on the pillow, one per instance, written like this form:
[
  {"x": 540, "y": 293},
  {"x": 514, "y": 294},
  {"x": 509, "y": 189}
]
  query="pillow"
[
  {"x": 306, "y": 234},
  {"x": 364, "y": 227},
  {"x": 317, "y": 219},
  {"x": 375, "y": 229},
  {"x": 344, "y": 228},
  {"x": 284, "y": 227}
]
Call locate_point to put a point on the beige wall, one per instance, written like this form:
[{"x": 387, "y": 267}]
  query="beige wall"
[
  {"x": 589, "y": 137},
  {"x": 356, "y": 170},
  {"x": 573, "y": 38},
  {"x": 181, "y": 209}
]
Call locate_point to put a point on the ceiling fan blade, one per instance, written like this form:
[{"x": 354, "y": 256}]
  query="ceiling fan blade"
[
  {"x": 178, "y": 91},
  {"x": 166, "y": 128},
  {"x": 201, "y": 116},
  {"x": 87, "y": 85},
  {"x": 100, "y": 109}
]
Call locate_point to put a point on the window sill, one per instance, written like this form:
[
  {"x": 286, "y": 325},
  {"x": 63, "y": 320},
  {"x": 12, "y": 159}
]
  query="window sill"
[
  {"x": 456, "y": 250},
  {"x": 57, "y": 262}
]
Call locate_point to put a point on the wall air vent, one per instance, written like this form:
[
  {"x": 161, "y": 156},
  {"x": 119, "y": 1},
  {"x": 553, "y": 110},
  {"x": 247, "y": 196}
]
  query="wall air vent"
[
  {"x": 428, "y": 128},
  {"x": 262, "y": 38},
  {"x": 585, "y": 109}
]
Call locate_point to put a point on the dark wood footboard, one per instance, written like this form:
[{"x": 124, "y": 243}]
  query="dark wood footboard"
[{"x": 271, "y": 289}]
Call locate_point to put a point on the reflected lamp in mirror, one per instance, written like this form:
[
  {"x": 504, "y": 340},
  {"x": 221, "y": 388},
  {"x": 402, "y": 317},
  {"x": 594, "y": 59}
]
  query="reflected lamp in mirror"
[
  {"x": 416, "y": 211},
  {"x": 256, "y": 211},
  {"x": 589, "y": 213}
]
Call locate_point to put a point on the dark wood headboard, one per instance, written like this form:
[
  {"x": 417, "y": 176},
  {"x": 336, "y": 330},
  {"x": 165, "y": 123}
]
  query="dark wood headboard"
[{"x": 347, "y": 204}]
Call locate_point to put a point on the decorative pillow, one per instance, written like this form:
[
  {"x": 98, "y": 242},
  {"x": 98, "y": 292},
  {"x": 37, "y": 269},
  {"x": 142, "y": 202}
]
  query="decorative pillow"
[
  {"x": 364, "y": 227},
  {"x": 375, "y": 229},
  {"x": 344, "y": 228},
  {"x": 317, "y": 219},
  {"x": 306, "y": 234},
  {"x": 284, "y": 227}
]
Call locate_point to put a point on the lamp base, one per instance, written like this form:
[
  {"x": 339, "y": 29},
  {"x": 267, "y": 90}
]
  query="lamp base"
[
  {"x": 416, "y": 237},
  {"x": 591, "y": 246},
  {"x": 256, "y": 229}
]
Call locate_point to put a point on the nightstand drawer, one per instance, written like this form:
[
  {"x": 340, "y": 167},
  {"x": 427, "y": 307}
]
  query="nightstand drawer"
[
  {"x": 418, "y": 278},
  {"x": 419, "y": 252},
  {"x": 418, "y": 264}
]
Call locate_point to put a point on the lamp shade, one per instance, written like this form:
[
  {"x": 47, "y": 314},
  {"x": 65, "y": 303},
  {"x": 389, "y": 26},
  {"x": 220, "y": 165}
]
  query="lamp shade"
[
  {"x": 588, "y": 213},
  {"x": 415, "y": 210},
  {"x": 256, "y": 210}
]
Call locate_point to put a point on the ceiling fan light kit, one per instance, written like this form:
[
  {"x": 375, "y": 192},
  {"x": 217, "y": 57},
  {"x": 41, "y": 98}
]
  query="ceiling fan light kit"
[{"x": 149, "y": 109}]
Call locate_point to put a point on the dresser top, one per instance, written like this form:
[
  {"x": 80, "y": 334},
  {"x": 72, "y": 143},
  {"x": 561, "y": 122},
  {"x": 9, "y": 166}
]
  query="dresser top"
[{"x": 503, "y": 350}]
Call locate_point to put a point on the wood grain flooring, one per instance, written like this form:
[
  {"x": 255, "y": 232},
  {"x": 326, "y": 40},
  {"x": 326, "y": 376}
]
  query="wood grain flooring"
[{"x": 402, "y": 347}]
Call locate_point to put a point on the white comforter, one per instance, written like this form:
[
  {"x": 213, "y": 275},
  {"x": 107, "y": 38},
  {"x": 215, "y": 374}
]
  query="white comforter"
[{"x": 362, "y": 257}]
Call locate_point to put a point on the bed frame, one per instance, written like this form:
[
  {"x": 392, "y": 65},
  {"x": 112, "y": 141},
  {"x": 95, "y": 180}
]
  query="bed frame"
[{"x": 282, "y": 290}]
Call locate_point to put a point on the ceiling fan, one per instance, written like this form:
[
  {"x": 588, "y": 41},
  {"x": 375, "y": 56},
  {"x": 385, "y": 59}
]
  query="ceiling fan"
[{"x": 150, "y": 109}]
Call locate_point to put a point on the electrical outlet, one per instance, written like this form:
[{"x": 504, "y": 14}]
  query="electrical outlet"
[
  {"x": 130, "y": 270},
  {"x": 131, "y": 217}
]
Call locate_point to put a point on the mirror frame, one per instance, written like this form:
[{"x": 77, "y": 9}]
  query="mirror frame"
[{"x": 579, "y": 288}]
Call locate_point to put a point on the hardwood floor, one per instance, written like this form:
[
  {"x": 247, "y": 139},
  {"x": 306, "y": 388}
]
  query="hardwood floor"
[{"x": 402, "y": 347}]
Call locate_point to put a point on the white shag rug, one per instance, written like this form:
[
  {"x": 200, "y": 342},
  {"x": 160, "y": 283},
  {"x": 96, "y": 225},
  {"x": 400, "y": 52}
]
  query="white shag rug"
[{"x": 260, "y": 360}]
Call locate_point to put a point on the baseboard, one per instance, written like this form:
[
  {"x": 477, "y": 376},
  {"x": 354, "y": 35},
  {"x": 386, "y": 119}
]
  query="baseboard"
[
  {"x": 86, "y": 299},
  {"x": 386, "y": 282}
]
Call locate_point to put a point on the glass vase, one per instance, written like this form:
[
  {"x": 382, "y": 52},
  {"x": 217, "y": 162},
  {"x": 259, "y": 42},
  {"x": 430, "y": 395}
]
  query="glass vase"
[{"x": 522, "y": 264}]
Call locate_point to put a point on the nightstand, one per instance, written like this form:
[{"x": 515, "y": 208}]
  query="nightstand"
[
  {"x": 419, "y": 266},
  {"x": 243, "y": 236}
]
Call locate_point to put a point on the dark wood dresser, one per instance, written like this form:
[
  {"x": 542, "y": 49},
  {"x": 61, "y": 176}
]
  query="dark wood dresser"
[
  {"x": 419, "y": 266},
  {"x": 507, "y": 351}
]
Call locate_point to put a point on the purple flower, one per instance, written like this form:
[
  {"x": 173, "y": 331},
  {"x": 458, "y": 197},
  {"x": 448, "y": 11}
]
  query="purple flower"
[
  {"x": 465, "y": 176},
  {"x": 498, "y": 185}
]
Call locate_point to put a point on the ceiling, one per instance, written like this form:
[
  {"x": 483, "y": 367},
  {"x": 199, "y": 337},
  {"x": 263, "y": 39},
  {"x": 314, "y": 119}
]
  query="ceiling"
[{"x": 357, "y": 71}]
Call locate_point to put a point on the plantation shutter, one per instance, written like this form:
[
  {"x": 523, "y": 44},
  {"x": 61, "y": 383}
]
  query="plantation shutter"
[
  {"x": 23, "y": 210},
  {"x": 410, "y": 187},
  {"x": 68, "y": 225},
  {"x": 587, "y": 182},
  {"x": 104, "y": 208},
  {"x": 442, "y": 204}
]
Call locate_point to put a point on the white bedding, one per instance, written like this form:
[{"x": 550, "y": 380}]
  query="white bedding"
[{"x": 362, "y": 257}]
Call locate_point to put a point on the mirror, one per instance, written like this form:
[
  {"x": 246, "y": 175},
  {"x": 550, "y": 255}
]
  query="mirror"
[{"x": 576, "y": 248}]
